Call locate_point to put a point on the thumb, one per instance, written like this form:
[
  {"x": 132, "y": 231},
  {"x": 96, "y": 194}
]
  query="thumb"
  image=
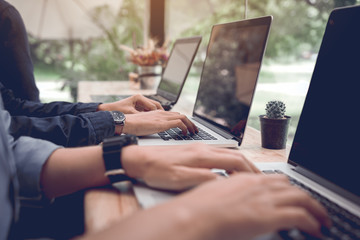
[{"x": 145, "y": 105}]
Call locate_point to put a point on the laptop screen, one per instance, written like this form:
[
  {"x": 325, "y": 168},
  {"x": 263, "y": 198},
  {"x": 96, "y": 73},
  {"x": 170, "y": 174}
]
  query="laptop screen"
[
  {"x": 178, "y": 66},
  {"x": 230, "y": 73},
  {"x": 326, "y": 141}
]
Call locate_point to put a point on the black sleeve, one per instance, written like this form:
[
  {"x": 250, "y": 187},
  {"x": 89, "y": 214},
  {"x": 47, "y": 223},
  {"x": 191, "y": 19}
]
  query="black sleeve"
[{"x": 16, "y": 67}]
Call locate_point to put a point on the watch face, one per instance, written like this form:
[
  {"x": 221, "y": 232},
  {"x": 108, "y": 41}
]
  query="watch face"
[{"x": 119, "y": 117}]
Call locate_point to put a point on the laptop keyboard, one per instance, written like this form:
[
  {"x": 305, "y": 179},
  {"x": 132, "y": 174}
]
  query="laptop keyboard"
[
  {"x": 345, "y": 226},
  {"x": 176, "y": 134}
]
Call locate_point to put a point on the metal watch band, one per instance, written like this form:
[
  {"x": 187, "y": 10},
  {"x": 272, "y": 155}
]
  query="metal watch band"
[{"x": 119, "y": 120}]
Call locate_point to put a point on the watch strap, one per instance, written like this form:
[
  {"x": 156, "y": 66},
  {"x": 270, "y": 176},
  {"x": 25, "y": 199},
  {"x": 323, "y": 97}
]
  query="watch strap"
[
  {"x": 112, "y": 156},
  {"x": 118, "y": 176}
]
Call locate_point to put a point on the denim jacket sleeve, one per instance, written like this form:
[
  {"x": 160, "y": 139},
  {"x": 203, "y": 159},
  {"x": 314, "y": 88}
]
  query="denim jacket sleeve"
[
  {"x": 20, "y": 107},
  {"x": 66, "y": 130},
  {"x": 63, "y": 123}
]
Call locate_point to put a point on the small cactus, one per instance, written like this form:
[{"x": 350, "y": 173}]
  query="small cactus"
[{"x": 275, "y": 109}]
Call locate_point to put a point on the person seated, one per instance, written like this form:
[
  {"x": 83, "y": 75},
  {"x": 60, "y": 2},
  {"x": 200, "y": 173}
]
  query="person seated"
[
  {"x": 66, "y": 124},
  {"x": 81, "y": 124},
  {"x": 245, "y": 205}
]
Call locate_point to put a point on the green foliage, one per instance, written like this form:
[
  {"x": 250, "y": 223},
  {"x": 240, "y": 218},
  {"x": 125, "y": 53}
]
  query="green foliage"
[
  {"x": 297, "y": 28},
  {"x": 93, "y": 59},
  {"x": 275, "y": 109}
]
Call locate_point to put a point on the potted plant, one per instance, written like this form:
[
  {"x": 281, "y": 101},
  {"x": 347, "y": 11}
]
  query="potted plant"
[
  {"x": 274, "y": 125},
  {"x": 150, "y": 60}
]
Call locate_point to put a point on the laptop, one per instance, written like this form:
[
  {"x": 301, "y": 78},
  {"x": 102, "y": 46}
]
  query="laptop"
[
  {"x": 324, "y": 157},
  {"x": 173, "y": 78},
  {"x": 227, "y": 85}
]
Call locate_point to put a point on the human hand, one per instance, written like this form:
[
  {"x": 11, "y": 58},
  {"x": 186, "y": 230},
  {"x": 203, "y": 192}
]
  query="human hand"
[
  {"x": 247, "y": 205},
  {"x": 146, "y": 123},
  {"x": 133, "y": 104},
  {"x": 181, "y": 167}
]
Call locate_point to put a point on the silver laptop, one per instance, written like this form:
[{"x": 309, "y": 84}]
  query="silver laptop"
[
  {"x": 324, "y": 158},
  {"x": 173, "y": 78},
  {"x": 228, "y": 80}
]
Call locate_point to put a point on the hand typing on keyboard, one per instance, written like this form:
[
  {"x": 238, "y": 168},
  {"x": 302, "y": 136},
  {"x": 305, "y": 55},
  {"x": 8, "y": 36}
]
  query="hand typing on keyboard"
[
  {"x": 146, "y": 123},
  {"x": 345, "y": 226},
  {"x": 251, "y": 205}
]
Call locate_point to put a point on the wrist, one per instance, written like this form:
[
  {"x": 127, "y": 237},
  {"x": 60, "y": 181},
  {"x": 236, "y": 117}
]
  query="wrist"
[
  {"x": 185, "y": 214},
  {"x": 195, "y": 208},
  {"x": 119, "y": 121},
  {"x": 103, "y": 107},
  {"x": 112, "y": 155},
  {"x": 129, "y": 127},
  {"x": 133, "y": 161},
  {"x": 119, "y": 130}
]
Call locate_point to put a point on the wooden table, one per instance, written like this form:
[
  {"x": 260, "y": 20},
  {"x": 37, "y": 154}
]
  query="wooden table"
[
  {"x": 106, "y": 205},
  {"x": 88, "y": 88}
]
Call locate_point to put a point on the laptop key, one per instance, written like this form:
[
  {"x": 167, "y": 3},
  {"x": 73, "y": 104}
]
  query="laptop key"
[
  {"x": 187, "y": 138},
  {"x": 195, "y": 137},
  {"x": 177, "y": 138},
  {"x": 176, "y": 134}
]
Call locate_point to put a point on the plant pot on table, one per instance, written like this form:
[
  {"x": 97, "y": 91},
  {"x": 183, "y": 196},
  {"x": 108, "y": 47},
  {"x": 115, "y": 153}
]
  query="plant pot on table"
[
  {"x": 274, "y": 132},
  {"x": 149, "y": 76}
]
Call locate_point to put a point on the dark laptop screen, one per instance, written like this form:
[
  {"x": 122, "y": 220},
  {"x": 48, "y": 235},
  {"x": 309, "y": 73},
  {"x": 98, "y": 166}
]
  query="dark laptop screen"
[
  {"x": 178, "y": 66},
  {"x": 326, "y": 141},
  {"x": 230, "y": 73}
]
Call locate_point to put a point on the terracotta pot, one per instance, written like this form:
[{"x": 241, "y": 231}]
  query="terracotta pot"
[{"x": 274, "y": 132}]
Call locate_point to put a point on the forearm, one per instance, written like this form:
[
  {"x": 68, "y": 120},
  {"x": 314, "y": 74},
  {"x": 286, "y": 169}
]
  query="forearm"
[
  {"x": 72, "y": 169},
  {"x": 66, "y": 130},
  {"x": 167, "y": 221},
  {"x": 32, "y": 109},
  {"x": 69, "y": 170},
  {"x": 19, "y": 107}
]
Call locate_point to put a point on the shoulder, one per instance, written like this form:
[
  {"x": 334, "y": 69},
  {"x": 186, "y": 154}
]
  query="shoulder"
[{"x": 8, "y": 11}]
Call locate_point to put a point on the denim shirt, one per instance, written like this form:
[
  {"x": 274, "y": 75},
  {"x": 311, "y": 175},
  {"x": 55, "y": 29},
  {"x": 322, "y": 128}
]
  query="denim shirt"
[
  {"x": 63, "y": 123},
  {"x": 21, "y": 163}
]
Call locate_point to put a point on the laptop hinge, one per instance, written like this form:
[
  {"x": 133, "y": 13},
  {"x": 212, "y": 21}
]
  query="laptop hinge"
[
  {"x": 168, "y": 96},
  {"x": 321, "y": 181},
  {"x": 239, "y": 140},
  {"x": 218, "y": 130}
]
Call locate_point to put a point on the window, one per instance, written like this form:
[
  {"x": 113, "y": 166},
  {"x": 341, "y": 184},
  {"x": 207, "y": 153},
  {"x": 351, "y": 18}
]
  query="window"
[{"x": 291, "y": 52}]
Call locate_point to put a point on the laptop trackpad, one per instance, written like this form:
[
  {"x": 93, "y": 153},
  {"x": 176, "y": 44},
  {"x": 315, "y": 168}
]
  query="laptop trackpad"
[{"x": 148, "y": 197}]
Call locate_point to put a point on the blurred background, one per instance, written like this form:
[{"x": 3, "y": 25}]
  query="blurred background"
[{"x": 74, "y": 40}]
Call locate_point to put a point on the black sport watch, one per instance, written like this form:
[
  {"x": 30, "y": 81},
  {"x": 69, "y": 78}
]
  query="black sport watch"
[
  {"x": 112, "y": 156},
  {"x": 119, "y": 119}
]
